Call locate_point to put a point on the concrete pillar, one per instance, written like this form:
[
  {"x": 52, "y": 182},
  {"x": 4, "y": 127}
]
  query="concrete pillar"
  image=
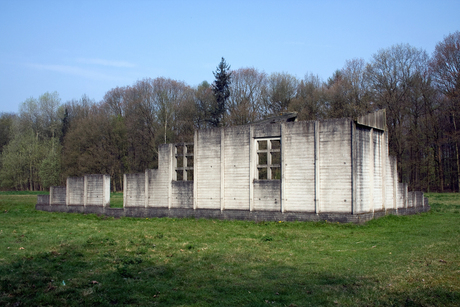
[
  {"x": 394, "y": 165},
  {"x": 222, "y": 169},
  {"x": 195, "y": 179},
  {"x": 384, "y": 169},
  {"x": 146, "y": 187},
  {"x": 317, "y": 170},
  {"x": 125, "y": 189},
  {"x": 354, "y": 167},
  {"x": 85, "y": 191},
  {"x": 371, "y": 169},
  {"x": 283, "y": 184},
  {"x": 252, "y": 166},
  {"x": 171, "y": 176}
]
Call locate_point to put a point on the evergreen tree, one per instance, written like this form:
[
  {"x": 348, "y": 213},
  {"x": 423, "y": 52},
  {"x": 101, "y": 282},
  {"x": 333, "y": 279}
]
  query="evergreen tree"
[{"x": 221, "y": 90}]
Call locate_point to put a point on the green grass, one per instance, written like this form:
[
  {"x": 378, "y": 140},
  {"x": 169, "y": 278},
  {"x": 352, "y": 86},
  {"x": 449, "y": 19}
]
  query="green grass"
[
  {"x": 392, "y": 261},
  {"x": 116, "y": 200}
]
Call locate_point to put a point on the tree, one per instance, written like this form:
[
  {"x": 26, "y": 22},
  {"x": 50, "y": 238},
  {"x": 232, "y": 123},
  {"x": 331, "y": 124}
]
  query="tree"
[
  {"x": 221, "y": 90},
  {"x": 281, "y": 89},
  {"x": 390, "y": 75},
  {"x": 309, "y": 101},
  {"x": 246, "y": 96},
  {"x": 204, "y": 100},
  {"x": 445, "y": 67},
  {"x": 6, "y": 124}
]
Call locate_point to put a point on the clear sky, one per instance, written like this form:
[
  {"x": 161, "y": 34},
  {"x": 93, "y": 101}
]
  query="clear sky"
[{"x": 89, "y": 47}]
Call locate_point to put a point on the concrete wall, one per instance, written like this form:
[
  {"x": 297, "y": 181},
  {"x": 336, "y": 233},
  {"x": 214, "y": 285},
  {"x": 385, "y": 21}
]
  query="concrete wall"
[
  {"x": 57, "y": 195},
  {"x": 134, "y": 190},
  {"x": 328, "y": 168},
  {"x": 236, "y": 165},
  {"x": 208, "y": 169},
  {"x": 97, "y": 190},
  {"x": 75, "y": 191},
  {"x": 159, "y": 180},
  {"x": 335, "y": 172},
  {"x": 298, "y": 168}
]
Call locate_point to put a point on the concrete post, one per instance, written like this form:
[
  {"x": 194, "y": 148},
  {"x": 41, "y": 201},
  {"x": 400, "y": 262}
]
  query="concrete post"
[
  {"x": 354, "y": 167},
  {"x": 85, "y": 191},
  {"x": 222, "y": 169},
  {"x": 252, "y": 167},
  {"x": 146, "y": 193},
  {"x": 125, "y": 189},
  {"x": 384, "y": 169},
  {"x": 171, "y": 172},
  {"x": 371, "y": 169},
  {"x": 317, "y": 170},
  {"x": 283, "y": 185},
  {"x": 195, "y": 181}
]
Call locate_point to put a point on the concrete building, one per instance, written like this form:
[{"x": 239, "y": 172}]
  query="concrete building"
[{"x": 276, "y": 169}]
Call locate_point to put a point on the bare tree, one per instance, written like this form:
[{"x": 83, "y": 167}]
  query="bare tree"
[
  {"x": 281, "y": 89},
  {"x": 445, "y": 66},
  {"x": 245, "y": 102}
]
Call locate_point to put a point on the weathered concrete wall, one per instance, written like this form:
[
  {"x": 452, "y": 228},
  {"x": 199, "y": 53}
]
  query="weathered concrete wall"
[
  {"x": 375, "y": 120},
  {"x": 57, "y": 195},
  {"x": 335, "y": 166},
  {"x": 236, "y": 166},
  {"x": 143, "y": 212},
  {"x": 298, "y": 168},
  {"x": 159, "y": 180},
  {"x": 97, "y": 190},
  {"x": 363, "y": 186},
  {"x": 43, "y": 200},
  {"x": 267, "y": 195},
  {"x": 134, "y": 190},
  {"x": 75, "y": 191},
  {"x": 208, "y": 169},
  {"x": 330, "y": 168},
  {"x": 377, "y": 146},
  {"x": 182, "y": 194}
]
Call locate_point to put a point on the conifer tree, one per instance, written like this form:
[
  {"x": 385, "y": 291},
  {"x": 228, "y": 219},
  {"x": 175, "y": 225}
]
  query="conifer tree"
[{"x": 221, "y": 90}]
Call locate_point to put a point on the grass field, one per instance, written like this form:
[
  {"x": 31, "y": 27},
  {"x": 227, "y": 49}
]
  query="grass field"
[{"x": 60, "y": 259}]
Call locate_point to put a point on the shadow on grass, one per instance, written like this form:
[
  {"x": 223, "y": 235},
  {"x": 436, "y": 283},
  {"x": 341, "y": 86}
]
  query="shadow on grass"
[{"x": 100, "y": 275}]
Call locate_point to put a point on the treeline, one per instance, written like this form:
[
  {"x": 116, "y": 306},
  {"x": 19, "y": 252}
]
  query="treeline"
[{"x": 48, "y": 141}]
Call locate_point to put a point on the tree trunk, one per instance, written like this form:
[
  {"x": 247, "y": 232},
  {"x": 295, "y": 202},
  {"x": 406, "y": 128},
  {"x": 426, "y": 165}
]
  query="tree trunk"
[
  {"x": 441, "y": 171},
  {"x": 456, "y": 152}
]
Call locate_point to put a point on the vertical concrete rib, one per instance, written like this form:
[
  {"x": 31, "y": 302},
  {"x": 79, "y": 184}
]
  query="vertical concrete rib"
[
  {"x": 384, "y": 169},
  {"x": 125, "y": 189},
  {"x": 371, "y": 169},
  {"x": 222, "y": 169},
  {"x": 195, "y": 182},
  {"x": 354, "y": 167},
  {"x": 171, "y": 174},
  {"x": 395, "y": 183},
  {"x": 85, "y": 191},
  {"x": 67, "y": 192},
  {"x": 146, "y": 186},
  {"x": 317, "y": 166},
  {"x": 252, "y": 167},
  {"x": 282, "y": 192}
]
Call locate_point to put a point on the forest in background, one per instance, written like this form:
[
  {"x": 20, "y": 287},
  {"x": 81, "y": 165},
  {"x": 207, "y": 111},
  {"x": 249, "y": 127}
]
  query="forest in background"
[{"x": 47, "y": 141}]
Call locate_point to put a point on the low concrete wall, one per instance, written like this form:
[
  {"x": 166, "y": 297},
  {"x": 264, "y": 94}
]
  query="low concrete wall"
[
  {"x": 57, "y": 195},
  {"x": 134, "y": 190},
  {"x": 143, "y": 212}
]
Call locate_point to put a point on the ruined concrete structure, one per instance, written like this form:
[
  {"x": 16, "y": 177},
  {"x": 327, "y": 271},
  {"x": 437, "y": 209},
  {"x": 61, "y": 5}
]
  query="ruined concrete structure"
[{"x": 276, "y": 169}]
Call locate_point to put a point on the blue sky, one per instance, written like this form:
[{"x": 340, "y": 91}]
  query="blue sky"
[{"x": 89, "y": 47}]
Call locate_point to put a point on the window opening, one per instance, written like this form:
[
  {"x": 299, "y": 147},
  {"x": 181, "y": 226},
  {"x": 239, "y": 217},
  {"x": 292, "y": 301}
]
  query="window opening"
[
  {"x": 184, "y": 162},
  {"x": 269, "y": 159}
]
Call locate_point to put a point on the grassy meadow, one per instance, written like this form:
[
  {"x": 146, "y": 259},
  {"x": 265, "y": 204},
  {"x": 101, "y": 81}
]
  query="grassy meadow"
[{"x": 60, "y": 259}]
